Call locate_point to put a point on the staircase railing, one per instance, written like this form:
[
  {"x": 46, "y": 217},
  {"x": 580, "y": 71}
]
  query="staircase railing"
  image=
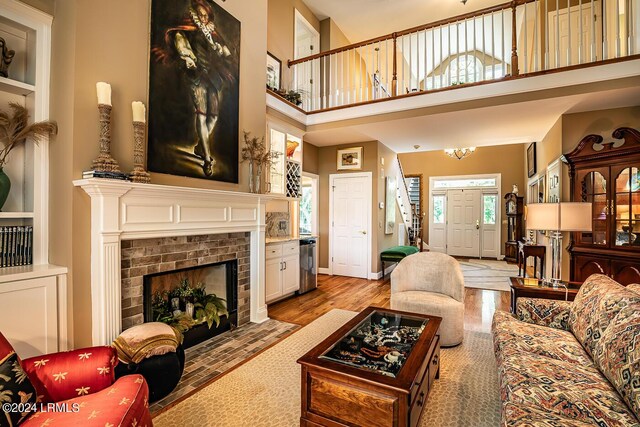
[
  {"x": 404, "y": 202},
  {"x": 520, "y": 37}
]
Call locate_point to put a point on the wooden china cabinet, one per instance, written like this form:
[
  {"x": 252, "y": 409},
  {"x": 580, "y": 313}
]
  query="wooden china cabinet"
[
  {"x": 607, "y": 174},
  {"x": 514, "y": 206}
]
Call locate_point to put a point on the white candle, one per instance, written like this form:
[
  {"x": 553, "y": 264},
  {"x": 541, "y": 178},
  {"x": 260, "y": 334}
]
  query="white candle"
[
  {"x": 139, "y": 111},
  {"x": 104, "y": 93}
]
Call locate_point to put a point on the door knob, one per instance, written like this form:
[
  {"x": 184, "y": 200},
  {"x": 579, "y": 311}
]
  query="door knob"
[
  {"x": 363, "y": 232},
  {"x": 477, "y": 224}
]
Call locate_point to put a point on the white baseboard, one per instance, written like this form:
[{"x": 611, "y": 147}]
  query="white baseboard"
[
  {"x": 322, "y": 270},
  {"x": 378, "y": 275}
]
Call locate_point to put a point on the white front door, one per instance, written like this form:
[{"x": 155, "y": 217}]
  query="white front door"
[
  {"x": 489, "y": 226},
  {"x": 351, "y": 205},
  {"x": 463, "y": 228}
]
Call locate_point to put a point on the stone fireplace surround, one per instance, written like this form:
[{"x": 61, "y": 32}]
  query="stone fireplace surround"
[
  {"x": 123, "y": 211},
  {"x": 165, "y": 254}
]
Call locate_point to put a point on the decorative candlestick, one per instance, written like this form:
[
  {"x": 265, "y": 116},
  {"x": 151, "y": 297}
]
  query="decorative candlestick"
[
  {"x": 104, "y": 162},
  {"x": 139, "y": 123},
  {"x": 139, "y": 174}
]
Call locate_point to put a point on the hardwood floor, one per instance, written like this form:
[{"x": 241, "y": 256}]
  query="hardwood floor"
[{"x": 349, "y": 293}]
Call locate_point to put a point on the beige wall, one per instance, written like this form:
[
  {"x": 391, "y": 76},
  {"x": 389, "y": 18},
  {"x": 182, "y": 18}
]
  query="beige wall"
[
  {"x": 390, "y": 168},
  {"x": 504, "y": 159},
  {"x": 47, "y": 6},
  {"x": 331, "y": 36},
  {"x": 310, "y": 155},
  {"x": 280, "y": 31},
  {"x": 95, "y": 41}
]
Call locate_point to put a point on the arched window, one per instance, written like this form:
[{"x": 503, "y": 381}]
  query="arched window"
[{"x": 464, "y": 69}]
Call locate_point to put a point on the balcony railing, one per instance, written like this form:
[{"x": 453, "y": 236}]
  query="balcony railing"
[{"x": 521, "y": 37}]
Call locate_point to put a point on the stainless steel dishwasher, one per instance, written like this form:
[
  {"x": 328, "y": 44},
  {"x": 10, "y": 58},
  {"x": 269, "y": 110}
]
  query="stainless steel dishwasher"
[{"x": 308, "y": 266}]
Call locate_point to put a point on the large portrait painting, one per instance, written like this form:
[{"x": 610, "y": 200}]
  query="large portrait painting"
[{"x": 194, "y": 90}]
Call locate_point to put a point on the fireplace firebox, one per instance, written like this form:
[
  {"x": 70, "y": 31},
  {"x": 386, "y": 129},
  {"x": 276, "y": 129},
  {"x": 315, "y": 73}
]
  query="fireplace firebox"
[{"x": 180, "y": 297}]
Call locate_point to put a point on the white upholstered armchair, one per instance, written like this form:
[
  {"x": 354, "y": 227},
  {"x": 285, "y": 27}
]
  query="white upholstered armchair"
[{"x": 431, "y": 283}]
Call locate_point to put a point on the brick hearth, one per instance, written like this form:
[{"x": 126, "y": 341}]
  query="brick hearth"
[{"x": 148, "y": 256}]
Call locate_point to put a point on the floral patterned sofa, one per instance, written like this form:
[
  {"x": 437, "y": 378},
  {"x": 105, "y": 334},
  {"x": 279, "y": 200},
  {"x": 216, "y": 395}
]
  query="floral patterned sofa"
[{"x": 571, "y": 364}]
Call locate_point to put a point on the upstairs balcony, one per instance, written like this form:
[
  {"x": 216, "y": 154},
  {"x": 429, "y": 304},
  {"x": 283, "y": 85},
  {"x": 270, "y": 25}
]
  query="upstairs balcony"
[{"x": 514, "y": 40}]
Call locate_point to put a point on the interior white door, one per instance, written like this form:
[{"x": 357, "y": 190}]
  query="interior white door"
[
  {"x": 575, "y": 47},
  {"x": 463, "y": 223},
  {"x": 350, "y": 239},
  {"x": 307, "y": 74}
]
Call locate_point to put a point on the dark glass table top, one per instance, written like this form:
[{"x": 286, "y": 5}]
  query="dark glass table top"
[{"x": 380, "y": 343}]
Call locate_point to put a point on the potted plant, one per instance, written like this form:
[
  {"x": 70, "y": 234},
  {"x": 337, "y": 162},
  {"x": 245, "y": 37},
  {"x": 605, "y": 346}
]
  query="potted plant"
[{"x": 14, "y": 131}]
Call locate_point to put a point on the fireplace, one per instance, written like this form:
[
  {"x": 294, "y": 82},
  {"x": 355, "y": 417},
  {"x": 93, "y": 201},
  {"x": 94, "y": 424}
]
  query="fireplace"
[{"x": 179, "y": 297}]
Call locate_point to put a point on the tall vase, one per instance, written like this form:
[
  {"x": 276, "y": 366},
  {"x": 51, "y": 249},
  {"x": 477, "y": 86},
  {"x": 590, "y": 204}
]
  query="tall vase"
[
  {"x": 5, "y": 186},
  {"x": 251, "y": 179},
  {"x": 259, "y": 179}
]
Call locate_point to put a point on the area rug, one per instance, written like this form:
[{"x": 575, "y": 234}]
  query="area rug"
[
  {"x": 487, "y": 274},
  {"x": 266, "y": 390}
]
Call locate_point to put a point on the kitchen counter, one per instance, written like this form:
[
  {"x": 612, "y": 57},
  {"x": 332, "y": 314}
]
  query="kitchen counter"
[
  {"x": 281, "y": 239},
  {"x": 288, "y": 238}
]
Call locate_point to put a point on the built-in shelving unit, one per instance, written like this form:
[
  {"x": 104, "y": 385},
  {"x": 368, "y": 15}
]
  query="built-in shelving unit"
[
  {"x": 33, "y": 313},
  {"x": 284, "y": 174}
]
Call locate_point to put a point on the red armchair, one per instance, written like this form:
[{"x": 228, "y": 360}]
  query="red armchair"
[{"x": 81, "y": 384}]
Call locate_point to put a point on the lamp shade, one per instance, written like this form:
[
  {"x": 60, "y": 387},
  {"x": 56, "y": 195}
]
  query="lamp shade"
[{"x": 566, "y": 216}]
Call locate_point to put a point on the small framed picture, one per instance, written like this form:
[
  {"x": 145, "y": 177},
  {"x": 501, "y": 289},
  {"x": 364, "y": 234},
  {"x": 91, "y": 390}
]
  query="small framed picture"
[
  {"x": 350, "y": 158},
  {"x": 274, "y": 72},
  {"x": 531, "y": 160}
]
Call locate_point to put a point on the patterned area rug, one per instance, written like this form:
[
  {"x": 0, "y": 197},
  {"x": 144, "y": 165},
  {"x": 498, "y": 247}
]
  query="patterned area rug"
[
  {"x": 266, "y": 390},
  {"x": 487, "y": 274}
]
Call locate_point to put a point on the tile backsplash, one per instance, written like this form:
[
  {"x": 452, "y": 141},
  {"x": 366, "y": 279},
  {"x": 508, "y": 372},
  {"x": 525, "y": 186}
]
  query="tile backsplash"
[{"x": 277, "y": 224}]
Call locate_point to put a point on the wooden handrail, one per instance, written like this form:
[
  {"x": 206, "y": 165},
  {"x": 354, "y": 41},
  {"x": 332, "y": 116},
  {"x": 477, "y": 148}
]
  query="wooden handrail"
[{"x": 511, "y": 4}]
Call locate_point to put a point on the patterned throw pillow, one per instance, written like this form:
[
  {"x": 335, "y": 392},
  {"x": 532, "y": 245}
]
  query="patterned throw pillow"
[
  {"x": 635, "y": 287},
  {"x": 599, "y": 300},
  {"x": 15, "y": 388},
  {"x": 617, "y": 354}
]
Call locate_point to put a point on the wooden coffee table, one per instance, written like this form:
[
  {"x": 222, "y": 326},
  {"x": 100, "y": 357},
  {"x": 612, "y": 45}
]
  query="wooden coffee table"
[{"x": 376, "y": 370}]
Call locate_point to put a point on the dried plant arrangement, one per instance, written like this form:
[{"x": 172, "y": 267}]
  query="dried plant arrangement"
[{"x": 15, "y": 130}]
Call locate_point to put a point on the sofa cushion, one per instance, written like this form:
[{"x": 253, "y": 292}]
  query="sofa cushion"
[
  {"x": 15, "y": 388},
  {"x": 515, "y": 415},
  {"x": 544, "y": 312},
  {"x": 562, "y": 388},
  {"x": 635, "y": 287},
  {"x": 513, "y": 338},
  {"x": 599, "y": 300},
  {"x": 617, "y": 354}
]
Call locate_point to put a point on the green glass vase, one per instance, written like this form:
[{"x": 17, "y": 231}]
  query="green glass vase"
[{"x": 5, "y": 187}]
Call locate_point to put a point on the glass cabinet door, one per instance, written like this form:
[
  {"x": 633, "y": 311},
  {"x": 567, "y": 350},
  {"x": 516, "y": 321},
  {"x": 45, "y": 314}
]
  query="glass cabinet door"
[
  {"x": 627, "y": 206},
  {"x": 593, "y": 189},
  {"x": 277, "y": 142}
]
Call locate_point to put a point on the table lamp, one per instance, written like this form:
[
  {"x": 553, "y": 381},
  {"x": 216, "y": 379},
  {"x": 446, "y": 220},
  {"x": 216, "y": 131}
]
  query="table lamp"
[{"x": 556, "y": 218}]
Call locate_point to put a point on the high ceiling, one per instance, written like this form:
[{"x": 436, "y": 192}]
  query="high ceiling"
[{"x": 364, "y": 19}]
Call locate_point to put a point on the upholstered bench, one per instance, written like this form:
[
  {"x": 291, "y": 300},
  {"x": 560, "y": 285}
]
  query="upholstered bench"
[{"x": 395, "y": 255}]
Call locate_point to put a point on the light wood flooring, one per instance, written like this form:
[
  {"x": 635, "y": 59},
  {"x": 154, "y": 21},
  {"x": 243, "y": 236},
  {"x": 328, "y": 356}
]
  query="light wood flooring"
[{"x": 354, "y": 294}]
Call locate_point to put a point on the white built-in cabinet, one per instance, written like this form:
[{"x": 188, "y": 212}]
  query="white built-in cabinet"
[
  {"x": 282, "y": 270},
  {"x": 33, "y": 310},
  {"x": 285, "y": 171}
]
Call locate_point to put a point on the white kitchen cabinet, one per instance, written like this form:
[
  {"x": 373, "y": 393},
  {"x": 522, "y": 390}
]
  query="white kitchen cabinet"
[{"x": 282, "y": 270}]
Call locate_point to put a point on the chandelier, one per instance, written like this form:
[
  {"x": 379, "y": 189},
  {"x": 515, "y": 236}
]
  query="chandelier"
[{"x": 459, "y": 153}]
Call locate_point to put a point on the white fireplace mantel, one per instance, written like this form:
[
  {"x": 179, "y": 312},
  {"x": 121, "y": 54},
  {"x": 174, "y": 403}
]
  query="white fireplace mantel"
[{"x": 122, "y": 210}]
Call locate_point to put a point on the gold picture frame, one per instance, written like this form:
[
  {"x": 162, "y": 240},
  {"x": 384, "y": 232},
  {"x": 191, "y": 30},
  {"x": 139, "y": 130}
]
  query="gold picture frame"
[{"x": 349, "y": 159}]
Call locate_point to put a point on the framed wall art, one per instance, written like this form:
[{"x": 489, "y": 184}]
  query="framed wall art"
[
  {"x": 350, "y": 159},
  {"x": 531, "y": 160},
  {"x": 194, "y": 73}
]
